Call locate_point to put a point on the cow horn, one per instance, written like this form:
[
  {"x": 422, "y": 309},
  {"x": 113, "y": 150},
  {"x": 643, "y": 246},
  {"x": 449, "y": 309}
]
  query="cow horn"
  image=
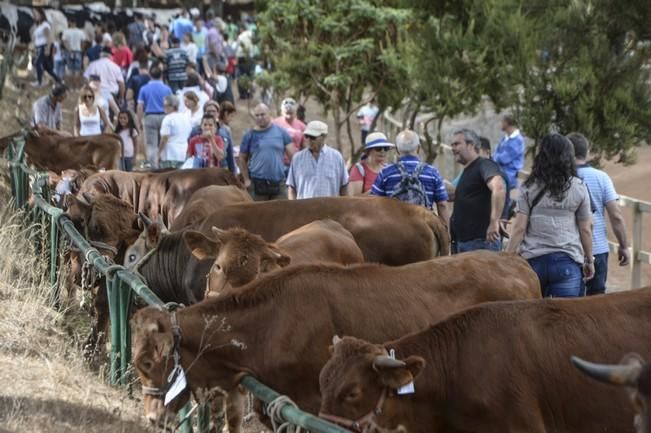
[
  {"x": 385, "y": 361},
  {"x": 145, "y": 219},
  {"x": 336, "y": 340},
  {"x": 626, "y": 375},
  {"x": 217, "y": 231}
]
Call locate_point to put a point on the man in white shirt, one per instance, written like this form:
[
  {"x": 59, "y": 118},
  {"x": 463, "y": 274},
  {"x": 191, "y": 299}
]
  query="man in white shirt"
[
  {"x": 72, "y": 39},
  {"x": 174, "y": 133},
  {"x": 109, "y": 73}
]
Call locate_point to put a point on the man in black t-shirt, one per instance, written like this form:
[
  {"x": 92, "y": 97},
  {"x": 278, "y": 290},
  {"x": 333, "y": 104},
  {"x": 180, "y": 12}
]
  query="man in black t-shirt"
[{"x": 479, "y": 197}]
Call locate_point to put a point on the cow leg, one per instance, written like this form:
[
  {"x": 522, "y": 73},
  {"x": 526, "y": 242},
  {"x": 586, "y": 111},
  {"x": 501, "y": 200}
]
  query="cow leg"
[
  {"x": 235, "y": 403},
  {"x": 93, "y": 347}
]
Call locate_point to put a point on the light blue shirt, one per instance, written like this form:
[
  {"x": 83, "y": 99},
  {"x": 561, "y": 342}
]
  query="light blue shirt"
[
  {"x": 317, "y": 178},
  {"x": 509, "y": 155},
  {"x": 266, "y": 149},
  {"x": 602, "y": 191}
]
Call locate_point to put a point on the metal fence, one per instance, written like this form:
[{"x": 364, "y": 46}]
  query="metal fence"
[
  {"x": 449, "y": 169},
  {"x": 120, "y": 285}
]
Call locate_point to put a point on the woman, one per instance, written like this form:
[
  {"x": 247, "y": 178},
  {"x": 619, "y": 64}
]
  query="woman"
[
  {"x": 226, "y": 112},
  {"x": 122, "y": 55},
  {"x": 89, "y": 117},
  {"x": 363, "y": 174},
  {"x": 43, "y": 44},
  {"x": 190, "y": 47},
  {"x": 174, "y": 133},
  {"x": 193, "y": 109},
  {"x": 553, "y": 225}
]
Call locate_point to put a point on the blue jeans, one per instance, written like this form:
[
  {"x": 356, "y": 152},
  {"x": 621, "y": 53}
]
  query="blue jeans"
[
  {"x": 559, "y": 275},
  {"x": 44, "y": 63},
  {"x": 475, "y": 244},
  {"x": 597, "y": 285}
]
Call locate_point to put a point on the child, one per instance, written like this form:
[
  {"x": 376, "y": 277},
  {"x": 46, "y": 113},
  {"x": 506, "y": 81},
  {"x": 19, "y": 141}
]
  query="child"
[
  {"x": 207, "y": 148},
  {"x": 126, "y": 129},
  {"x": 59, "y": 56}
]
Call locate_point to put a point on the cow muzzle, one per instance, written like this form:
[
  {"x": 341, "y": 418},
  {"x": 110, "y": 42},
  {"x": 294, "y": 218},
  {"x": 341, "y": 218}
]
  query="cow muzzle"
[{"x": 365, "y": 424}]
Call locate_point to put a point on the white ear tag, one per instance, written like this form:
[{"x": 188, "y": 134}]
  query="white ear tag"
[
  {"x": 178, "y": 386},
  {"x": 405, "y": 389}
]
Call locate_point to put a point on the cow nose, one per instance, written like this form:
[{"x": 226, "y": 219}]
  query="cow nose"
[{"x": 152, "y": 417}]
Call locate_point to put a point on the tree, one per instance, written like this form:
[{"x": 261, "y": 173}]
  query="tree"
[{"x": 334, "y": 51}]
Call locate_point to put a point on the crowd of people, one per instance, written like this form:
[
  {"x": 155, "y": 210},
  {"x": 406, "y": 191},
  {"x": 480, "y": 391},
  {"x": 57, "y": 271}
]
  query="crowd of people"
[{"x": 167, "y": 91}]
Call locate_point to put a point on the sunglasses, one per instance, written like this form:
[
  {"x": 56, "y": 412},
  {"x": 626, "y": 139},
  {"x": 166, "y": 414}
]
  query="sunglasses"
[
  {"x": 311, "y": 137},
  {"x": 89, "y": 96},
  {"x": 382, "y": 149}
]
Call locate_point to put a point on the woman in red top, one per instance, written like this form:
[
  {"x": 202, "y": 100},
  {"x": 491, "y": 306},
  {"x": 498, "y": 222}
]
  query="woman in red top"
[
  {"x": 122, "y": 55},
  {"x": 207, "y": 148},
  {"x": 363, "y": 174}
]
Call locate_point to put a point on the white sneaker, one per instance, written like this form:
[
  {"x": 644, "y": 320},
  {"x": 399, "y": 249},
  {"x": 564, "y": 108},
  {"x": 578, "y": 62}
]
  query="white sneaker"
[{"x": 35, "y": 84}]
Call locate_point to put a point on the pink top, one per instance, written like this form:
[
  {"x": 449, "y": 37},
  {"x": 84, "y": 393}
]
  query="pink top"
[
  {"x": 367, "y": 180},
  {"x": 295, "y": 130}
]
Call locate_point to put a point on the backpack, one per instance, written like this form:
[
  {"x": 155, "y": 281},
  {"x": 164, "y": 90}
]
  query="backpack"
[{"x": 410, "y": 189}]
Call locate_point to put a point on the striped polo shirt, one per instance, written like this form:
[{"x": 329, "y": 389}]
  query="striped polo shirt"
[
  {"x": 602, "y": 191},
  {"x": 389, "y": 178}
]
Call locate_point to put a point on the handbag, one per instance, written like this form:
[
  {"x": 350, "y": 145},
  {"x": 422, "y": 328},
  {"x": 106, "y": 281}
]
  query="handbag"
[{"x": 265, "y": 187}]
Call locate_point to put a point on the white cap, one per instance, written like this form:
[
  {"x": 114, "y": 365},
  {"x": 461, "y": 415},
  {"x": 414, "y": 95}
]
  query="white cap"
[{"x": 316, "y": 128}]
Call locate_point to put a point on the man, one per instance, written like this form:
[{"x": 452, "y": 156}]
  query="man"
[
  {"x": 318, "y": 170},
  {"x": 176, "y": 60},
  {"x": 603, "y": 196},
  {"x": 182, "y": 25},
  {"x": 366, "y": 115},
  {"x": 288, "y": 121},
  {"x": 72, "y": 39},
  {"x": 94, "y": 52},
  {"x": 134, "y": 84},
  {"x": 110, "y": 74},
  {"x": 479, "y": 197},
  {"x": 151, "y": 111},
  {"x": 411, "y": 178},
  {"x": 509, "y": 155},
  {"x": 261, "y": 157},
  {"x": 214, "y": 49},
  {"x": 174, "y": 133},
  {"x": 47, "y": 111},
  {"x": 136, "y": 30}
]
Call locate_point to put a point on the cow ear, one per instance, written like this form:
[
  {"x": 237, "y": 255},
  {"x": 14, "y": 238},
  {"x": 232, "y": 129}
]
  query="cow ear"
[
  {"x": 396, "y": 375},
  {"x": 200, "y": 246},
  {"x": 275, "y": 256},
  {"x": 153, "y": 234},
  {"x": 88, "y": 197},
  {"x": 161, "y": 224},
  {"x": 146, "y": 222},
  {"x": 77, "y": 210}
]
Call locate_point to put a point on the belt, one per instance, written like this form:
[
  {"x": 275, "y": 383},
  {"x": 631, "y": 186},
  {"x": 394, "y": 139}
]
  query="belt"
[{"x": 153, "y": 114}]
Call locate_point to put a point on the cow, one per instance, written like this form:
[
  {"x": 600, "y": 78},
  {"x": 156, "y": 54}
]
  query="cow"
[
  {"x": 157, "y": 193},
  {"x": 497, "y": 367},
  {"x": 58, "y": 152},
  {"x": 205, "y": 201},
  {"x": 277, "y": 328},
  {"x": 633, "y": 374},
  {"x": 240, "y": 256},
  {"x": 387, "y": 231}
]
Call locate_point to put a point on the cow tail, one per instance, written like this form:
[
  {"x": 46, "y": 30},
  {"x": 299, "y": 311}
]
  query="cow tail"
[{"x": 440, "y": 230}]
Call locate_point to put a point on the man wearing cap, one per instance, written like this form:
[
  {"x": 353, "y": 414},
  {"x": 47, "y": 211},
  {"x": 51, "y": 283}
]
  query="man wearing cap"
[
  {"x": 109, "y": 73},
  {"x": 47, "y": 111},
  {"x": 389, "y": 180},
  {"x": 151, "y": 111},
  {"x": 318, "y": 170},
  {"x": 374, "y": 159},
  {"x": 261, "y": 157}
]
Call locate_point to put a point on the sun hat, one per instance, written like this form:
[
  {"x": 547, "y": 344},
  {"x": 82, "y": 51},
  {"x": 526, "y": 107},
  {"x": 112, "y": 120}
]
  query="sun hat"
[
  {"x": 377, "y": 139},
  {"x": 316, "y": 128}
]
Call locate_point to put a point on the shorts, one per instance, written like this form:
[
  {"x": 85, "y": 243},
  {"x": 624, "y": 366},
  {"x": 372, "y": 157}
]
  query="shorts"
[{"x": 74, "y": 61}]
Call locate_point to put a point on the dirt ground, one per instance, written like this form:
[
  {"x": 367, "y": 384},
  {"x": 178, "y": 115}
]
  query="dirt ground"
[{"x": 47, "y": 390}]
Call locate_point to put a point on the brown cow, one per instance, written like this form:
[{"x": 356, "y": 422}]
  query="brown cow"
[
  {"x": 58, "y": 153},
  {"x": 387, "y": 231},
  {"x": 240, "y": 256},
  {"x": 157, "y": 193},
  {"x": 498, "y": 367},
  {"x": 634, "y": 374},
  {"x": 278, "y": 327},
  {"x": 205, "y": 201}
]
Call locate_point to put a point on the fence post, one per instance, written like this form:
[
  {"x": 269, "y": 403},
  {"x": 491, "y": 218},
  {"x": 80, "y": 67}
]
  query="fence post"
[
  {"x": 186, "y": 427},
  {"x": 636, "y": 243},
  {"x": 113, "y": 292},
  {"x": 54, "y": 262},
  {"x": 125, "y": 334},
  {"x": 203, "y": 418}
]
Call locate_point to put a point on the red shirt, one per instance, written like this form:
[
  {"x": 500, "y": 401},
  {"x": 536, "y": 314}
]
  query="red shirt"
[
  {"x": 367, "y": 180},
  {"x": 122, "y": 56},
  {"x": 199, "y": 147}
]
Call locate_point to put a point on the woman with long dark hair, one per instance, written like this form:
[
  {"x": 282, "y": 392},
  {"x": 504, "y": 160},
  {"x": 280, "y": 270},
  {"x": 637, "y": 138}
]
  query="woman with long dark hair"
[
  {"x": 43, "y": 39},
  {"x": 553, "y": 225}
]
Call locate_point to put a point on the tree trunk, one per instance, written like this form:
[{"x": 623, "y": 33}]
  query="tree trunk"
[{"x": 412, "y": 120}]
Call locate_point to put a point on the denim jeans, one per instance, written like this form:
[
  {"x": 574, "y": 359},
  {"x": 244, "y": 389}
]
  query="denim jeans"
[
  {"x": 475, "y": 244},
  {"x": 559, "y": 275},
  {"x": 597, "y": 285},
  {"x": 44, "y": 63}
]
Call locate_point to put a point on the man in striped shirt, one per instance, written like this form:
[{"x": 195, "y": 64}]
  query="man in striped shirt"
[
  {"x": 603, "y": 196},
  {"x": 388, "y": 180}
]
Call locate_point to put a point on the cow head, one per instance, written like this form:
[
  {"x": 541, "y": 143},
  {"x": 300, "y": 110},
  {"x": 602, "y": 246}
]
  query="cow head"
[
  {"x": 149, "y": 239},
  {"x": 153, "y": 359},
  {"x": 633, "y": 374},
  {"x": 361, "y": 378},
  {"x": 107, "y": 222},
  {"x": 240, "y": 257}
]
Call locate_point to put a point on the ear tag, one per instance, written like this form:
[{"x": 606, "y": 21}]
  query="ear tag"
[
  {"x": 405, "y": 389},
  {"x": 178, "y": 386}
]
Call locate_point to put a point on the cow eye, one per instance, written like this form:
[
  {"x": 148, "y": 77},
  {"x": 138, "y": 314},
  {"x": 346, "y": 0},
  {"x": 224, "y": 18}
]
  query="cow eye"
[
  {"x": 353, "y": 394},
  {"x": 146, "y": 364},
  {"x": 132, "y": 258}
]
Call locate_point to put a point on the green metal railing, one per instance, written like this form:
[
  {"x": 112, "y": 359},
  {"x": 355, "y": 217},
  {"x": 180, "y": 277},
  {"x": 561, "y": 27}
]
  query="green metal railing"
[{"x": 120, "y": 285}]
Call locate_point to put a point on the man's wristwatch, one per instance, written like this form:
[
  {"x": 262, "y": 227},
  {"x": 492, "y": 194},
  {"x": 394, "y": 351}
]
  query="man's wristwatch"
[{"x": 589, "y": 260}]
